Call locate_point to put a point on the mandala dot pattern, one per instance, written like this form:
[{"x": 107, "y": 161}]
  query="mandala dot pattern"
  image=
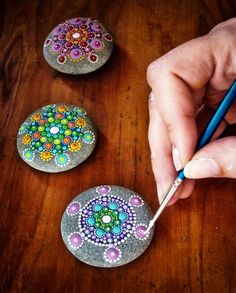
[
  {"x": 56, "y": 138},
  {"x": 105, "y": 226},
  {"x": 78, "y": 46}
]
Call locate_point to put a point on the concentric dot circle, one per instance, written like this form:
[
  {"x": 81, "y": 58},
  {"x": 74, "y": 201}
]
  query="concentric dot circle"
[
  {"x": 105, "y": 226},
  {"x": 56, "y": 138},
  {"x": 78, "y": 46}
]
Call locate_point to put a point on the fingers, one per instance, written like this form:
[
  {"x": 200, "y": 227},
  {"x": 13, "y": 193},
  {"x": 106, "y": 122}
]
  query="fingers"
[
  {"x": 161, "y": 156},
  {"x": 217, "y": 159}
]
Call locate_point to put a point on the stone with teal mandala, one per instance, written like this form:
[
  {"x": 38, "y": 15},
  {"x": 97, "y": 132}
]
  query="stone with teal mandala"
[
  {"x": 105, "y": 226},
  {"x": 56, "y": 138},
  {"x": 77, "y": 46}
]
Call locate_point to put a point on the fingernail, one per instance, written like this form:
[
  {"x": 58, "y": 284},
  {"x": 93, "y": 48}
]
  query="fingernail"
[
  {"x": 202, "y": 168},
  {"x": 176, "y": 158},
  {"x": 160, "y": 193},
  {"x": 151, "y": 96}
]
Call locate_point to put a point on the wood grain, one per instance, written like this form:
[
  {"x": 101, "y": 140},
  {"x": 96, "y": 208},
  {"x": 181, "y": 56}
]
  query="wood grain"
[{"x": 194, "y": 248}]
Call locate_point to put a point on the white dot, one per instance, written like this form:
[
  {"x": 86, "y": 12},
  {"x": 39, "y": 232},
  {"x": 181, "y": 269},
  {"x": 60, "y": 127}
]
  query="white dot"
[
  {"x": 54, "y": 130},
  {"x": 106, "y": 219},
  {"x": 76, "y": 35}
]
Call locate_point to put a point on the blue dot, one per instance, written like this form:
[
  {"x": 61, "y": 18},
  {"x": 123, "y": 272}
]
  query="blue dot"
[
  {"x": 97, "y": 207},
  {"x": 91, "y": 221},
  {"x": 122, "y": 216},
  {"x": 100, "y": 232},
  {"x": 116, "y": 230},
  {"x": 113, "y": 206}
]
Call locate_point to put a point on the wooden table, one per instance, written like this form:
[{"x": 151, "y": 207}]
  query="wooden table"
[{"x": 194, "y": 248}]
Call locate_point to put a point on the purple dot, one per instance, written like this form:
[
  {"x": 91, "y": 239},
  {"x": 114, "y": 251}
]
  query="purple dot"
[
  {"x": 112, "y": 254},
  {"x": 103, "y": 189},
  {"x": 57, "y": 30},
  {"x": 96, "y": 44},
  {"x": 140, "y": 231},
  {"x": 76, "y": 54},
  {"x": 135, "y": 201},
  {"x": 56, "y": 47},
  {"x": 74, "y": 208},
  {"x": 75, "y": 239},
  {"x": 96, "y": 27},
  {"x": 75, "y": 21}
]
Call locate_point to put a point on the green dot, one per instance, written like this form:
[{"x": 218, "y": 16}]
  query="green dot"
[
  {"x": 64, "y": 126},
  {"x": 50, "y": 139},
  {"x": 64, "y": 121},
  {"x": 44, "y": 133},
  {"x": 47, "y": 124},
  {"x": 60, "y": 151},
  {"x": 96, "y": 215},
  {"x": 74, "y": 133},
  {"x": 50, "y": 114},
  {"x": 58, "y": 147},
  {"x": 57, "y": 141},
  {"x": 34, "y": 127},
  {"x": 97, "y": 225},
  {"x": 105, "y": 209},
  {"x": 81, "y": 135},
  {"x": 67, "y": 132},
  {"x": 33, "y": 148},
  {"x": 41, "y": 128},
  {"x": 57, "y": 121},
  {"x": 117, "y": 222},
  {"x": 38, "y": 144},
  {"x": 69, "y": 117},
  {"x": 107, "y": 229},
  {"x": 43, "y": 139}
]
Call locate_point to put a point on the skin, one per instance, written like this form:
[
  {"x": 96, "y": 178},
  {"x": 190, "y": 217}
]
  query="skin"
[{"x": 187, "y": 84}]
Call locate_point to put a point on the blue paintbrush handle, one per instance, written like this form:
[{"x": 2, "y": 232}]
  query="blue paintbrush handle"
[{"x": 215, "y": 121}]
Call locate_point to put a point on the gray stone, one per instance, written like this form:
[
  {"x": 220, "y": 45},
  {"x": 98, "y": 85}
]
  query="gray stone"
[
  {"x": 78, "y": 46},
  {"x": 103, "y": 226},
  {"x": 56, "y": 138}
]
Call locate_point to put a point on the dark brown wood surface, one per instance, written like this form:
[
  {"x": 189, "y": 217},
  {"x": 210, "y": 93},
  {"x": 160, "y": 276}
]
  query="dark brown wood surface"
[{"x": 194, "y": 248}]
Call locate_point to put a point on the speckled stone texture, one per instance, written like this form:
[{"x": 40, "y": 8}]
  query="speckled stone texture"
[
  {"x": 78, "y": 46},
  {"x": 104, "y": 226},
  {"x": 56, "y": 138}
]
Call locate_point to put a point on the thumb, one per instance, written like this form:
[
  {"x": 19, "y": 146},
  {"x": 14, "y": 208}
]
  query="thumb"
[{"x": 217, "y": 159}]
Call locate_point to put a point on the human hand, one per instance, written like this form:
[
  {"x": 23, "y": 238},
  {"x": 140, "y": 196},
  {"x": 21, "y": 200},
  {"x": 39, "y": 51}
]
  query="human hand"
[{"x": 194, "y": 74}]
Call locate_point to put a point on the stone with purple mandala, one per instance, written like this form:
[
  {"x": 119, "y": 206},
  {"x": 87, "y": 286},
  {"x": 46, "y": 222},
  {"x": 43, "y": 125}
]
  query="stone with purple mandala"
[
  {"x": 78, "y": 46},
  {"x": 105, "y": 226}
]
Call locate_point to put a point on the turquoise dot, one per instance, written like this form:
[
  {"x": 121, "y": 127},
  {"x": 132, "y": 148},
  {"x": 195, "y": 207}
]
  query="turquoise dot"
[
  {"x": 116, "y": 230},
  {"x": 97, "y": 207},
  {"x": 55, "y": 136},
  {"x": 91, "y": 221},
  {"x": 64, "y": 147},
  {"x": 54, "y": 151},
  {"x": 100, "y": 232},
  {"x": 75, "y": 137},
  {"x": 40, "y": 148},
  {"x": 61, "y": 131},
  {"x": 122, "y": 216},
  {"x": 113, "y": 206}
]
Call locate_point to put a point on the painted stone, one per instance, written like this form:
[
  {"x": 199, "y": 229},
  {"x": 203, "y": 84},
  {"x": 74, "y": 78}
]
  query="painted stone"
[
  {"x": 56, "y": 138},
  {"x": 105, "y": 226},
  {"x": 78, "y": 46}
]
